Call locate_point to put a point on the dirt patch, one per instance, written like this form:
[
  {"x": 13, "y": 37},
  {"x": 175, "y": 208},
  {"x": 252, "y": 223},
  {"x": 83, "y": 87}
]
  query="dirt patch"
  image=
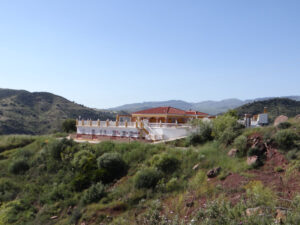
[
  {"x": 234, "y": 181},
  {"x": 273, "y": 174}
]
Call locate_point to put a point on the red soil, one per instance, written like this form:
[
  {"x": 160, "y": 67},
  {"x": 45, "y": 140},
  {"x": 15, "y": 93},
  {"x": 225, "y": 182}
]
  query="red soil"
[{"x": 285, "y": 188}]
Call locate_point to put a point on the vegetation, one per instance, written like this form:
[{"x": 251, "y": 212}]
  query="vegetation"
[
  {"x": 147, "y": 178},
  {"x": 46, "y": 180},
  {"x": 69, "y": 125},
  {"x": 226, "y": 128},
  {"x": 202, "y": 134},
  {"x": 94, "y": 193},
  {"x": 286, "y": 139}
]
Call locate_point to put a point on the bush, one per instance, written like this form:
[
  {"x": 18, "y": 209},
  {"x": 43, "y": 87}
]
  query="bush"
[
  {"x": 202, "y": 134},
  {"x": 84, "y": 160},
  {"x": 69, "y": 125},
  {"x": 241, "y": 144},
  {"x": 254, "y": 151},
  {"x": 286, "y": 139},
  {"x": 261, "y": 156},
  {"x": 59, "y": 192},
  {"x": 293, "y": 154},
  {"x": 19, "y": 166},
  {"x": 228, "y": 136},
  {"x": 284, "y": 125},
  {"x": 56, "y": 147},
  {"x": 113, "y": 164},
  {"x": 167, "y": 163},
  {"x": 259, "y": 195},
  {"x": 226, "y": 128},
  {"x": 103, "y": 147},
  {"x": 8, "y": 190},
  {"x": 94, "y": 193},
  {"x": 147, "y": 178},
  {"x": 76, "y": 215},
  {"x": 173, "y": 185}
]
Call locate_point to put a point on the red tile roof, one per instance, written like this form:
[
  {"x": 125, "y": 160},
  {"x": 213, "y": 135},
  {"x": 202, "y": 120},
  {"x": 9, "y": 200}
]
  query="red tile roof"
[
  {"x": 161, "y": 110},
  {"x": 196, "y": 113},
  {"x": 170, "y": 110}
]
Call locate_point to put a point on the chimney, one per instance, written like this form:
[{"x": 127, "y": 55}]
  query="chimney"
[{"x": 265, "y": 110}]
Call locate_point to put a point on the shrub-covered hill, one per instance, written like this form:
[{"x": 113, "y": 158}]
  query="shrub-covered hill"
[
  {"x": 44, "y": 180},
  {"x": 22, "y": 112},
  {"x": 276, "y": 107}
]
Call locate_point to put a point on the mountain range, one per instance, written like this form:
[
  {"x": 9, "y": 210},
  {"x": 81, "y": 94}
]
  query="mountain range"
[{"x": 211, "y": 107}]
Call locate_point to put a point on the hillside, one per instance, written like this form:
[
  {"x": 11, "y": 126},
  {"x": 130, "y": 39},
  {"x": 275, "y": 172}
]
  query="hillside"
[
  {"x": 210, "y": 107},
  {"x": 47, "y": 181},
  {"x": 23, "y": 112},
  {"x": 276, "y": 107}
]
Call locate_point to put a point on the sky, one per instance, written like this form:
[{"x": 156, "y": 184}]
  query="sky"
[{"x": 108, "y": 53}]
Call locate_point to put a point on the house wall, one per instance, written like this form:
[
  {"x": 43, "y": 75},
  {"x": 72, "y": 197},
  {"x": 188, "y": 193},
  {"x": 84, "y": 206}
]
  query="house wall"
[
  {"x": 170, "y": 133},
  {"x": 263, "y": 118},
  {"x": 109, "y": 131}
]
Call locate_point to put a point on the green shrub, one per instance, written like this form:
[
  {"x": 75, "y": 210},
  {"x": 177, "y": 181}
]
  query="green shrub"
[
  {"x": 241, "y": 144},
  {"x": 55, "y": 148},
  {"x": 147, "y": 178},
  {"x": 113, "y": 164},
  {"x": 202, "y": 134},
  {"x": 94, "y": 193},
  {"x": 19, "y": 166},
  {"x": 84, "y": 160},
  {"x": 167, "y": 163},
  {"x": 8, "y": 190},
  {"x": 103, "y": 147},
  {"x": 24, "y": 154},
  {"x": 221, "y": 123},
  {"x": 60, "y": 192},
  {"x": 254, "y": 151},
  {"x": 259, "y": 195},
  {"x": 293, "y": 154},
  {"x": 226, "y": 128},
  {"x": 69, "y": 125},
  {"x": 286, "y": 139},
  {"x": 284, "y": 125},
  {"x": 173, "y": 185},
  {"x": 76, "y": 215},
  {"x": 228, "y": 135}
]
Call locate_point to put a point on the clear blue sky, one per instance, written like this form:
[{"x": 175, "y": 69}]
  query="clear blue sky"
[{"x": 107, "y": 53}]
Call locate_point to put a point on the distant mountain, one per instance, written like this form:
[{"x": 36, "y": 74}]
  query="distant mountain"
[
  {"x": 276, "y": 107},
  {"x": 145, "y": 105},
  {"x": 216, "y": 107},
  {"x": 23, "y": 112},
  {"x": 211, "y": 107}
]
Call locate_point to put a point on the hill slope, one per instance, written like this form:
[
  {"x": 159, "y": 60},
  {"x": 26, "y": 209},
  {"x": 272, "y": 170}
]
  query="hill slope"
[
  {"x": 276, "y": 107},
  {"x": 23, "y": 112},
  {"x": 50, "y": 181}
]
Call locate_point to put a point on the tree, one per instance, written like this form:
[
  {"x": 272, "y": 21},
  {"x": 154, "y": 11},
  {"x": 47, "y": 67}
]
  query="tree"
[{"x": 69, "y": 125}]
